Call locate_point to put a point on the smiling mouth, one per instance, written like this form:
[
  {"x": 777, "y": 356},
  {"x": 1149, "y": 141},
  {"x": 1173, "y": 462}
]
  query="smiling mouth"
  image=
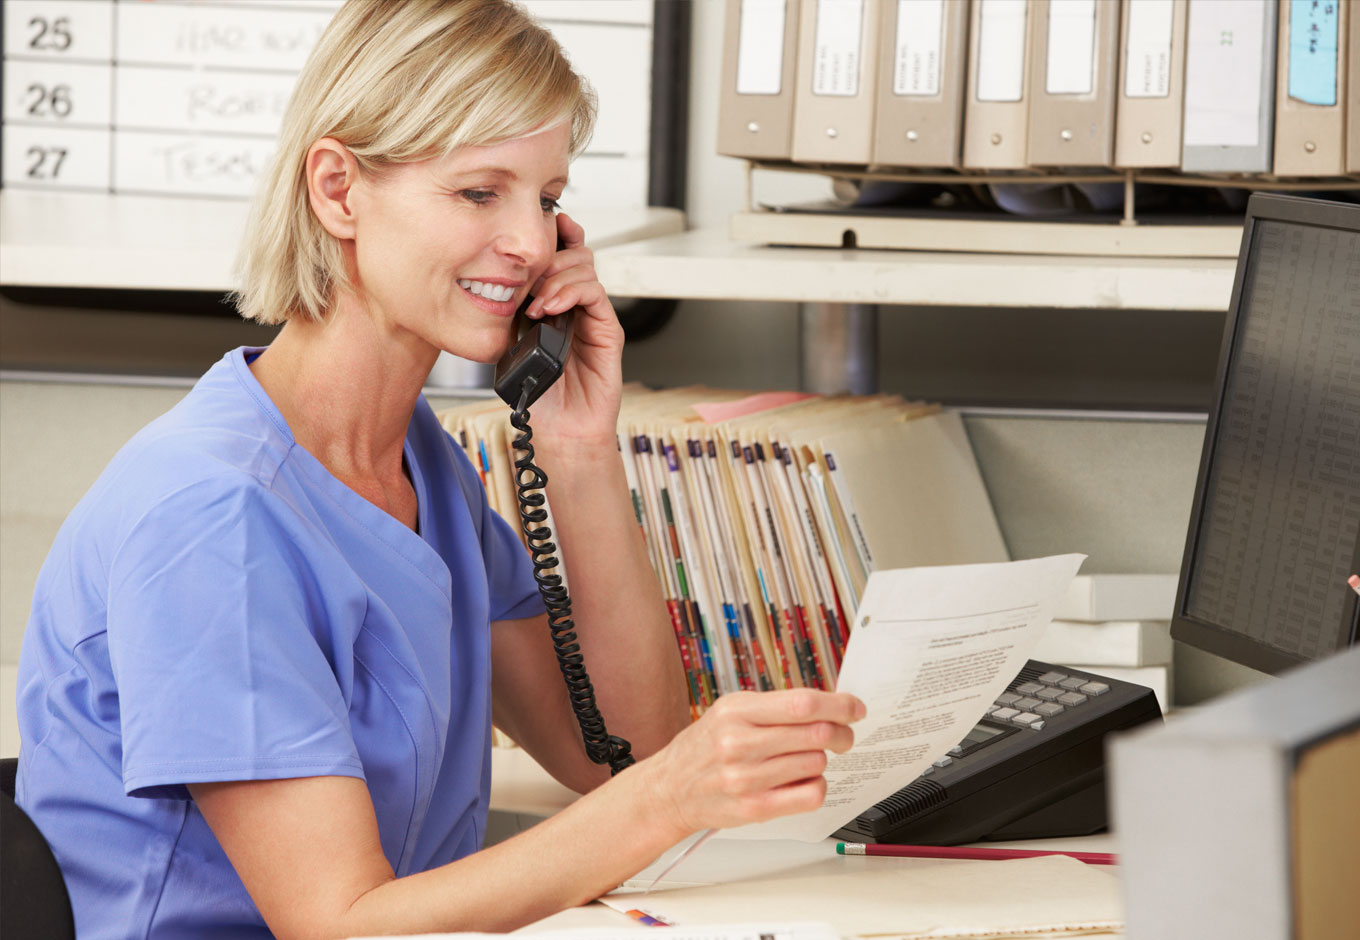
[{"x": 497, "y": 292}]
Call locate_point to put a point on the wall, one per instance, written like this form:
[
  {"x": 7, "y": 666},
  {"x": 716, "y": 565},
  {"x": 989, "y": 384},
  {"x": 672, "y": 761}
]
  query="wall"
[{"x": 1060, "y": 358}]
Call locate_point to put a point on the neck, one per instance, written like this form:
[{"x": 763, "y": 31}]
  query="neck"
[{"x": 347, "y": 388}]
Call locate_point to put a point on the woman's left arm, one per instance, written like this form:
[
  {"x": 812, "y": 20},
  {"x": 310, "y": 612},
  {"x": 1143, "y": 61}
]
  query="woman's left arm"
[{"x": 622, "y": 624}]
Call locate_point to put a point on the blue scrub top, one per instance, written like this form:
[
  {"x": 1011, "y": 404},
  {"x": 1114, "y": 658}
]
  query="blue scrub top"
[{"x": 220, "y": 607}]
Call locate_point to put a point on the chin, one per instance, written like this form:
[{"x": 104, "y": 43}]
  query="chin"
[{"x": 486, "y": 350}]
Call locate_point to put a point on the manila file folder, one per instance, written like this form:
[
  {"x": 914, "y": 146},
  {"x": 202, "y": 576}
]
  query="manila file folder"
[
  {"x": 996, "y": 110},
  {"x": 1073, "y": 63},
  {"x": 833, "y": 104},
  {"x": 917, "y": 493},
  {"x": 1310, "y": 89},
  {"x": 755, "y": 107},
  {"x": 1147, "y": 130},
  {"x": 920, "y": 88}
]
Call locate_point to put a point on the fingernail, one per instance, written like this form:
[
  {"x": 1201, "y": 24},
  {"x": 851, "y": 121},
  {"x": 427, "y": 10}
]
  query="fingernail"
[
  {"x": 860, "y": 710},
  {"x": 553, "y": 305}
]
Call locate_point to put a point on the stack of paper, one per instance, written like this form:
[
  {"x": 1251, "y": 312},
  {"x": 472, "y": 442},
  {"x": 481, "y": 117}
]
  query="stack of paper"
[
  {"x": 764, "y": 514},
  {"x": 1050, "y": 896},
  {"x": 1116, "y": 625},
  {"x": 765, "y": 930}
]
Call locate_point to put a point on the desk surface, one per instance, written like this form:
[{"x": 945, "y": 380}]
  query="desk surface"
[{"x": 520, "y": 786}]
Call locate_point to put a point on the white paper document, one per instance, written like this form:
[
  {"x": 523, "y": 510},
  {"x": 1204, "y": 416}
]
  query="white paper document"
[
  {"x": 931, "y": 648},
  {"x": 811, "y": 930}
]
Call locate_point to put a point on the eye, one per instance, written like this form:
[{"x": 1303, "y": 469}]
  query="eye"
[
  {"x": 479, "y": 197},
  {"x": 549, "y": 204}
]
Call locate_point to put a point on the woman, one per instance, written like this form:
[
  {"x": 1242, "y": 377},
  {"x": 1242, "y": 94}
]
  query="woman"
[{"x": 267, "y": 648}]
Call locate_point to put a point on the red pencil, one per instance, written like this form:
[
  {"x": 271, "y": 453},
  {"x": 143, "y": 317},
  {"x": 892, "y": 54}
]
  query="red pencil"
[{"x": 959, "y": 851}]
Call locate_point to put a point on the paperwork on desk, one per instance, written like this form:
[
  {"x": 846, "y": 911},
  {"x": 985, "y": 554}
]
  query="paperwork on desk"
[
  {"x": 1050, "y": 896},
  {"x": 761, "y": 931},
  {"x": 931, "y": 648}
]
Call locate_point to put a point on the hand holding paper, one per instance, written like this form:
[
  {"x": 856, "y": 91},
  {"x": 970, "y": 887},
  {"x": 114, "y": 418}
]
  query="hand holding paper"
[
  {"x": 752, "y": 756},
  {"x": 930, "y": 649}
]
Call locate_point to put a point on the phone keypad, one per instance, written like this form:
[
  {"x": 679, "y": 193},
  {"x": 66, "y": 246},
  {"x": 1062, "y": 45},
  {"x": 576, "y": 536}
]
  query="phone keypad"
[{"x": 1028, "y": 704}]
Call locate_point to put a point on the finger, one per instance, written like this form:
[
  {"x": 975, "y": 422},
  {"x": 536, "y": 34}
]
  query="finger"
[
  {"x": 798, "y": 797},
  {"x": 573, "y": 287},
  {"x": 767, "y": 742},
  {"x": 752, "y": 779},
  {"x": 572, "y": 235},
  {"x": 562, "y": 260},
  {"x": 800, "y": 706},
  {"x": 787, "y": 769},
  {"x": 556, "y": 275}
]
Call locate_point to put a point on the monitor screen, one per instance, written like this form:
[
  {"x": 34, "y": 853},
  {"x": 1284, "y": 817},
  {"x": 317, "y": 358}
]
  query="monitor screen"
[{"x": 1275, "y": 524}]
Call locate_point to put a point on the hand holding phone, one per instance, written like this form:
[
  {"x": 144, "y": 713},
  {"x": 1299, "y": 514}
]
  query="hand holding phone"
[
  {"x": 535, "y": 360},
  {"x": 537, "y": 357}
]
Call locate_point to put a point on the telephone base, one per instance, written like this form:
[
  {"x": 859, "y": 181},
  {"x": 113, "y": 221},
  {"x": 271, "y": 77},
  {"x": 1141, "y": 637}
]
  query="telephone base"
[{"x": 1011, "y": 782}]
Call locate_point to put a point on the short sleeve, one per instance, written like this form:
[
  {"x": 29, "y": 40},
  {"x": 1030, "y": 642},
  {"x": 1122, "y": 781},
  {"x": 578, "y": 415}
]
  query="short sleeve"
[
  {"x": 509, "y": 569},
  {"x": 230, "y": 643}
]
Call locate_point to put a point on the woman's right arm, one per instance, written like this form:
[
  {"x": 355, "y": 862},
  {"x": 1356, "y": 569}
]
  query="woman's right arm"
[{"x": 308, "y": 851}]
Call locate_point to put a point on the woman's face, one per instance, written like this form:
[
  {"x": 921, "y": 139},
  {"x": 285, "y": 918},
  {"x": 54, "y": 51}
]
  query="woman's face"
[{"x": 446, "y": 249}]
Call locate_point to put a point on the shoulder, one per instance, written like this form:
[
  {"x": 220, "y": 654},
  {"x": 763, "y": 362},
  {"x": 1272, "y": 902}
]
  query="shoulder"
[{"x": 214, "y": 451}]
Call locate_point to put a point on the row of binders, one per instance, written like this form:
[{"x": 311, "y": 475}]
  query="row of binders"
[
  {"x": 1203, "y": 86},
  {"x": 764, "y": 514}
]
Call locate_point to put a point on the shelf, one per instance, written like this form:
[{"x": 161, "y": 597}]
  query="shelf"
[
  {"x": 829, "y": 228},
  {"x": 706, "y": 264},
  {"x": 102, "y": 241},
  {"x": 97, "y": 240}
]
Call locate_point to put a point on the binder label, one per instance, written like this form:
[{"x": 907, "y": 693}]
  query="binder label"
[
  {"x": 835, "y": 68},
  {"x": 1225, "y": 43},
  {"x": 760, "y": 47},
  {"x": 1313, "y": 51},
  {"x": 1001, "y": 50},
  {"x": 1148, "y": 49},
  {"x": 920, "y": 36},
  {"x": 1070, "y": 69}
]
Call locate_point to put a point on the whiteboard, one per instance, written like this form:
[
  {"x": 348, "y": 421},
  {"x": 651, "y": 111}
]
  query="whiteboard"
[{"x": 183, "y": 98}]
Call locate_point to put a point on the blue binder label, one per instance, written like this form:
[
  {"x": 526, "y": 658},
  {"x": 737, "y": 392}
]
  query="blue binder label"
[{"x": 1313, "y": 51}]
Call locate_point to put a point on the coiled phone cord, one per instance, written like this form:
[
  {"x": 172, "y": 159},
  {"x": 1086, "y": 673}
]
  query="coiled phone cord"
[{"x": 601, "y": 746}]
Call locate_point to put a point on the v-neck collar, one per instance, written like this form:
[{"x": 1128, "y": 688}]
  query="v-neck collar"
[{"x": 410, "y": 544}]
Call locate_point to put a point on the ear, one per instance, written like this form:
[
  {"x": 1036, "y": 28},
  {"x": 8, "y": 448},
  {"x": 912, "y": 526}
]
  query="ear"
[{"x": 332, "y": 171}]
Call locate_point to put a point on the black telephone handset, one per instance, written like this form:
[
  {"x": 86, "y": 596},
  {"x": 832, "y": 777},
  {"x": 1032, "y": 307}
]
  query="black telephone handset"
[
  {"x": 533, "y": 363},
  {"x": 535, "y": 360}
]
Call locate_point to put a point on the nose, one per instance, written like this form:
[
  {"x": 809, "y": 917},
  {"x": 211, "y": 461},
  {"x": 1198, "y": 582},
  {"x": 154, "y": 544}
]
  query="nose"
[{"x": 529, "y": 237}]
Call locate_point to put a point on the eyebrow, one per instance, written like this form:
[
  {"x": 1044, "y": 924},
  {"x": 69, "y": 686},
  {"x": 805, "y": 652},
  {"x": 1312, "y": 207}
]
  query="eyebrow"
[{"x": 503, "y": 172}]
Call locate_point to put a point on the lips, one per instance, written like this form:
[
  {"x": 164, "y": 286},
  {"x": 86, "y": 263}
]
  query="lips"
[
  {"x": 500, "y": 308},
  {"x": 487, "y": 289}
]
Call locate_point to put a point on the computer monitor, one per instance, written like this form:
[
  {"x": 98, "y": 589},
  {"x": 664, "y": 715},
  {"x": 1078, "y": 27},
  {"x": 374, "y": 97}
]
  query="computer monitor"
[{"x": 1275, "y": 524}]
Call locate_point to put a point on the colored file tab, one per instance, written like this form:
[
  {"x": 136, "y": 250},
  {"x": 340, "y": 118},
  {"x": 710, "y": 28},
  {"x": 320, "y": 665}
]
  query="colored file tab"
[{"x": 1313, "y": 45}]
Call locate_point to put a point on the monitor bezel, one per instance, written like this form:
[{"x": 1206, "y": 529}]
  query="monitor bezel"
[{"x": 1203, "y": 634}]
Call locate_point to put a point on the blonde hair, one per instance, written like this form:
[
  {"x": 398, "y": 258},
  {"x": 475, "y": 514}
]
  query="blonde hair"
[{"x": 396, "y": 81}]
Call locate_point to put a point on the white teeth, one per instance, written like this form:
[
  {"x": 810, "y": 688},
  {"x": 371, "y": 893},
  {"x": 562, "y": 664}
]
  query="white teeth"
[{"x": 489, "y": 291}]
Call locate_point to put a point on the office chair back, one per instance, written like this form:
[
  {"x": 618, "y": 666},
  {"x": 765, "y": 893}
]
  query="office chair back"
[{"x": 36, "y": 904}]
